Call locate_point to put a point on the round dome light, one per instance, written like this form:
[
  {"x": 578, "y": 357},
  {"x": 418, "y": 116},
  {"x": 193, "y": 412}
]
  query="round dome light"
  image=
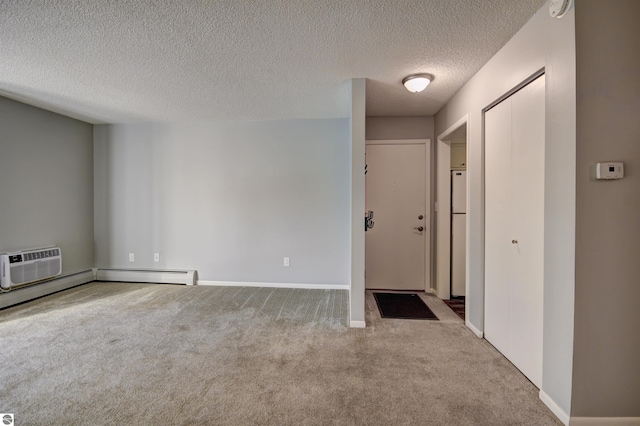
[{"x": 417, "y": 82}]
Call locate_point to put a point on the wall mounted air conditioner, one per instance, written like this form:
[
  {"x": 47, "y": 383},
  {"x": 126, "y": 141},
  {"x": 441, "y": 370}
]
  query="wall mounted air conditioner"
[{"x": 29, "y": 266}]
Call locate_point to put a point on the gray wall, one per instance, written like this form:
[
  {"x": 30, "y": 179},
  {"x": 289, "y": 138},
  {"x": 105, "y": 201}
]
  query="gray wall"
[
  {"x": 550, "y": 43},
  {"x": 229, "y": 200},
  {"x": 380, "y": 128},
  {"x": 357, "y": 126},
  {"x": 606, "y": 379},
  {"x": 46, "y": 183}
]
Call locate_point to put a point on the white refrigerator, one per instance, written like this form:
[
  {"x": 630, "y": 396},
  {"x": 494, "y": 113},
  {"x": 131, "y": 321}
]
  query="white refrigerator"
[{"x": 458, "y": 232}]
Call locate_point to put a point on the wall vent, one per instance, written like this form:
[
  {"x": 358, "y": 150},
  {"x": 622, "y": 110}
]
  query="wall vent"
[{"x": 29, "y": 266}]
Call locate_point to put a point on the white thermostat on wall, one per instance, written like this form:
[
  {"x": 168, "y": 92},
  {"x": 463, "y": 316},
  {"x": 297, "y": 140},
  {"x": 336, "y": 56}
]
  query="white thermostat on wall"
[{"x": 610, "y": 170}]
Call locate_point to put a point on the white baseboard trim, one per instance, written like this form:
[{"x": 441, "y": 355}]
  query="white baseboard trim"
[
  {"x": 555, "y": 408},
  {"x": 357, "y": 324},
  {"x": 473, "y": 328},
  {"x": 274, "y": 285},
  {"x": 147, "y": 276},
  {"x": 604, "y": 421},
  {"x": 30, "y": 292}
]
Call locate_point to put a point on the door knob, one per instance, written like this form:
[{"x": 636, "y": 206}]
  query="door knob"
[
  {"x": 419, "y": 228},
  {"x": 514, "y": 241}
]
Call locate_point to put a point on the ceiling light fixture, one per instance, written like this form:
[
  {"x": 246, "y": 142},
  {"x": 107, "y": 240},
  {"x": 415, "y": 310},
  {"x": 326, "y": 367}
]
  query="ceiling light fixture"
[{"x": 417, "y": 82}]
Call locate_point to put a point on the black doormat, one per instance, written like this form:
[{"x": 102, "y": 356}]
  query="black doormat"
[{"x": 403, "y": 305}]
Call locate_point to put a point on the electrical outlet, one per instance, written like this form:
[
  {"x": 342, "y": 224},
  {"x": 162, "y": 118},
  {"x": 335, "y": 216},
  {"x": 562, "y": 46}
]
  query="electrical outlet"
[
  {"x": 286, "y": 261},
  {"x": 156, "y": 257},
  {"x": 132, "y": 257}
]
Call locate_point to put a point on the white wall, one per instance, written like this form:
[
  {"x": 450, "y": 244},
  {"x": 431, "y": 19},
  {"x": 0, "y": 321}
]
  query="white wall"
[
  {"x": 229, "y": 200},
  {"x": 46, "y": 183},
  {"x": 357, "y": 135},
  {"x": 550, "y": 43},
  {"x": 606, "y": 379}
]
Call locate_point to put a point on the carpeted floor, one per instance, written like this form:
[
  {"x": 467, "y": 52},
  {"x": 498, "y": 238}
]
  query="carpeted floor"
[{"x": 143, "y": 354}]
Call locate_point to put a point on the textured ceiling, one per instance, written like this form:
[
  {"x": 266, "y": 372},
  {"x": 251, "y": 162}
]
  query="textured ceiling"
[{"x": 175, "y": 60}]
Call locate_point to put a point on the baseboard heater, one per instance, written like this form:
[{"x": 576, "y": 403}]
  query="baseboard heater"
[
  {"x": 44, "y": 288},
  {"x": 147, "y": 276}
]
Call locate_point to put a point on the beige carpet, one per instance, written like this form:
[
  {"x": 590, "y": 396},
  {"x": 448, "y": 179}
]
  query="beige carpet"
[{"x": 111, "y": 353}]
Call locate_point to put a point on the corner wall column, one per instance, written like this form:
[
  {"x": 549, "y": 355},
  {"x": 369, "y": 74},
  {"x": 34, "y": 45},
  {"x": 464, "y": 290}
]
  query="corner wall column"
[{"x": 357, "y": 127}]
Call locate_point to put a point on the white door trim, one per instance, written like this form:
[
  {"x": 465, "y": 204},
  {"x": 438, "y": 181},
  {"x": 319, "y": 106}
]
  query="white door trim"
[
  {"x": 443, "y": 212},
  {"x": 398, "y": 142},
  {"x": 428, "y": 264}
]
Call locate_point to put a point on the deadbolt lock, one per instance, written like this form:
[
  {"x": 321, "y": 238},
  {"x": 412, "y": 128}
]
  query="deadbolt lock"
[{"x": 420, "y": 217}]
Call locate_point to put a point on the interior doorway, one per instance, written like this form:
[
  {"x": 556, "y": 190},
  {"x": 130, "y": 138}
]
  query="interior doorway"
[
  {"x": 451, "y": 215},
  {"x": 397, "y": 191}
]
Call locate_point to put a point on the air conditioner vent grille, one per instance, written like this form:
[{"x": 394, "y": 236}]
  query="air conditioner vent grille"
[{"x": 28, "y": 266}]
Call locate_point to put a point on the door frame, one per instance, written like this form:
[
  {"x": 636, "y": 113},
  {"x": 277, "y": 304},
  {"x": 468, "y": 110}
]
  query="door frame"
[
  {"x": 443, "y": 211},
  {"x": 428, "y": 241}
]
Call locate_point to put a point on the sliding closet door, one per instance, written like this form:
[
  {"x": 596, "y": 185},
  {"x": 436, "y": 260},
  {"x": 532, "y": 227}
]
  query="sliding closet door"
[{"x": 514, "y": 227}]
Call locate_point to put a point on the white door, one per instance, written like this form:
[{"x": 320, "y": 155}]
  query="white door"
[
  {"x": 514, "y": 227},
  {"x": 498, "y": 228},
  {"x": 395, "y": 251}
]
